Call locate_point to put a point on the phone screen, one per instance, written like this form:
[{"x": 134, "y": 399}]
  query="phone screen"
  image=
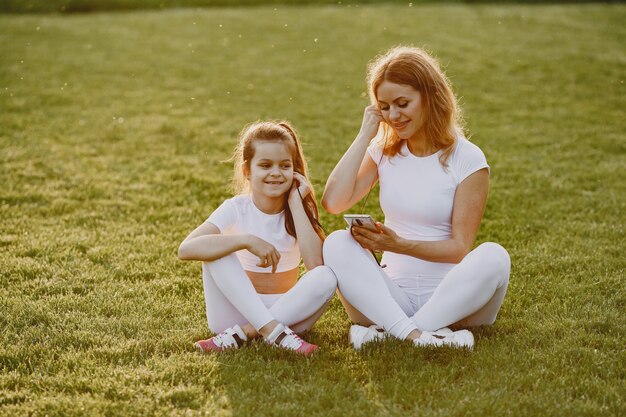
[{"x": 362, "y": 220}]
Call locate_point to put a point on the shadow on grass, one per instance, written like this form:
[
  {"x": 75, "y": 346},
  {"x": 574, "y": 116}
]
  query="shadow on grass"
[
  {"x": 389, "y": 377},
  {"x": 392, "y": 377}
]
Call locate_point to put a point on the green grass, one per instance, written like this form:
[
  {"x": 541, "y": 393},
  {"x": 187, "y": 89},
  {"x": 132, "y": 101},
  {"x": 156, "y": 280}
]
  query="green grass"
[{"x": 113, "y": 129}]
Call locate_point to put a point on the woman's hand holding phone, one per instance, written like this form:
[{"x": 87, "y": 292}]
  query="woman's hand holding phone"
[{"x": 381, "y": 240}]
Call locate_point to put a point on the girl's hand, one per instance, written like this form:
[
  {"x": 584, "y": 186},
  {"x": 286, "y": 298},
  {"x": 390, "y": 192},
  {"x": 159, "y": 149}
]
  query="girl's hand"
[
  {"x": 301, "y": 184},
  {"x": 383, "y": 240},
  {"x": 267, "y": 253},
  {"x": 372, "y": 117}
]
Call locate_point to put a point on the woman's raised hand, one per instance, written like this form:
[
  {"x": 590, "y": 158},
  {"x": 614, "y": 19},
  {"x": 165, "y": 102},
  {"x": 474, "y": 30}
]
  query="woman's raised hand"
[
  {"x": 267, "y": 253},
  {"x": 372, "y": 117}
]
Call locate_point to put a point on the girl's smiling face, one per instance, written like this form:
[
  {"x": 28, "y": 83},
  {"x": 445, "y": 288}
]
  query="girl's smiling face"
[
  {"x": 401, "y": 107},
  {"x": 271, "y": 170}
]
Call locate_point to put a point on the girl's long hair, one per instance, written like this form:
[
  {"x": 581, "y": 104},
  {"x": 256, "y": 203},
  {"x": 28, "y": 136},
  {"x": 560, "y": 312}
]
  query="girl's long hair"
[
  {"x": 441, "y": 116},
  {"x": 280, "y": 131}
]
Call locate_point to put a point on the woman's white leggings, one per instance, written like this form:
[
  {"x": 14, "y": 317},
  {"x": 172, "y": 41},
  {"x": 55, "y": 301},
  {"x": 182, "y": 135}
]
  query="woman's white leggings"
[
  {"x": 231, "y": 298},
  {"x": 470, "y": 294}
]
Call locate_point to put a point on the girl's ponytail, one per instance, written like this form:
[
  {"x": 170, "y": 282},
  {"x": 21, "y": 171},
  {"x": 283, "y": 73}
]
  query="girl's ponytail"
[{"x": 309, "y": 203}]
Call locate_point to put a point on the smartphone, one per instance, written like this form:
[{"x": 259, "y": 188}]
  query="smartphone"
[{"x": 362, "y": 220}]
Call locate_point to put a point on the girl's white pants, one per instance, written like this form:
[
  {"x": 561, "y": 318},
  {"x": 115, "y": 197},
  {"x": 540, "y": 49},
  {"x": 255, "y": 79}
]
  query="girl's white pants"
[
  {"x": 231, "y": 298},
  {"x": 470, "y": 294}
]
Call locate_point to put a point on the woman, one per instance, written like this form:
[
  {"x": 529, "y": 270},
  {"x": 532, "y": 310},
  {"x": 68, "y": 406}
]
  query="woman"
[{"x": 433, "y": 192}]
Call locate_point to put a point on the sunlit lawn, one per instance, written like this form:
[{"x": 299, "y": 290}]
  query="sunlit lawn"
[{"x": 113, "y": 132}]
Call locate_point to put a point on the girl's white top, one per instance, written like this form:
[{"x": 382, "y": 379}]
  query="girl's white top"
[
  {"x": 240, "y": 215},
  {"x": 417, "y": 196}
]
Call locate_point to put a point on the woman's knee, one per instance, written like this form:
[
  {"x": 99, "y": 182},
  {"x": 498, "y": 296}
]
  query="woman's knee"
[
  {"x": 339, "y": 249},
  {"x": 336, "y": 241},
  {"x": 497, "y": 256}
]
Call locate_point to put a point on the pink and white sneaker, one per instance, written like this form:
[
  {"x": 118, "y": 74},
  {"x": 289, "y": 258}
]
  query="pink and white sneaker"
[
  {"x": 284, "y": 338},
  {"x": 231, "y": 338}
]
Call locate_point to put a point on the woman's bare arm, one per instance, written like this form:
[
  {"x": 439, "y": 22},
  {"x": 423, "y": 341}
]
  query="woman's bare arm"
[{"x": 355, "y": 173}]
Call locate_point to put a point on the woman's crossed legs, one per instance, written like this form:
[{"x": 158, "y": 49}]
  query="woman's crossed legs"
[{"x": 470, "y": 294}]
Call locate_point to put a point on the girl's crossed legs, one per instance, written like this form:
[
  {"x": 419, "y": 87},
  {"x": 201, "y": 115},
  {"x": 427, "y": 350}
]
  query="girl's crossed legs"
[
  {"x": 231, "y": 298},
  {"x": 470, "y": 294}
]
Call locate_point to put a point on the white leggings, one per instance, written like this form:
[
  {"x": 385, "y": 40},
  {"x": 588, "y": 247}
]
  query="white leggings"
[
  {"x": 231, "y": 298},
  {"x": 470, "y": 294}
]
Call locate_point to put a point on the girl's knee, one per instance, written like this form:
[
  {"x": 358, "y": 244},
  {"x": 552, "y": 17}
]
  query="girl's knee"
[
  {"x": 325, "y": 281},
  {"x": 225, "y": 264}
]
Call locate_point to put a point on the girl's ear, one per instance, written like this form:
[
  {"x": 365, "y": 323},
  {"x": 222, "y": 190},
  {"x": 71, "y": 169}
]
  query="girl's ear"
[{"x": 245, "y": 170}]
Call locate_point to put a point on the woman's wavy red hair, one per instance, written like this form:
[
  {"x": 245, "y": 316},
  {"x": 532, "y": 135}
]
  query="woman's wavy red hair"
[{"x": 441, "y": 117}]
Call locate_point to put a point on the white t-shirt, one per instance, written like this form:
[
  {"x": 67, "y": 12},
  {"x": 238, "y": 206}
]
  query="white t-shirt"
[
  {"x": 240, "y": 215},
  {"x": 417, "y": 196}
]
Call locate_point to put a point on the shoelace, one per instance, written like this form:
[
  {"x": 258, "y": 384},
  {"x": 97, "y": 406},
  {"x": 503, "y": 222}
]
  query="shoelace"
[
  {"x": 436, "y": 340},
  {"x": 291, "y": 341},
  {"x": 224, "y": 340}
]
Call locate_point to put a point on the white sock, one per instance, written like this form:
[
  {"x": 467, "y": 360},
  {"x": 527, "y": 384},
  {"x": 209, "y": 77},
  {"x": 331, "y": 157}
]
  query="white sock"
[{"x": 275, "y": 333}]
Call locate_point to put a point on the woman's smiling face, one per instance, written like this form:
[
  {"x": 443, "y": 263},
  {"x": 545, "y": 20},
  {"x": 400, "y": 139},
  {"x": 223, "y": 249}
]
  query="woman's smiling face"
[{"x": 401, "y": 108}]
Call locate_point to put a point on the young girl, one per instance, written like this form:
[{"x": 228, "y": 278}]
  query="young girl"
[
  {"x": 433, "y": 191},
  {"x": 251, "y": 247}
]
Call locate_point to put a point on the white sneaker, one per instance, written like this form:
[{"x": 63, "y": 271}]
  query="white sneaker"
[
  {"x": 459, "y": 339},
  {"x": 360, "y": 335}
]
